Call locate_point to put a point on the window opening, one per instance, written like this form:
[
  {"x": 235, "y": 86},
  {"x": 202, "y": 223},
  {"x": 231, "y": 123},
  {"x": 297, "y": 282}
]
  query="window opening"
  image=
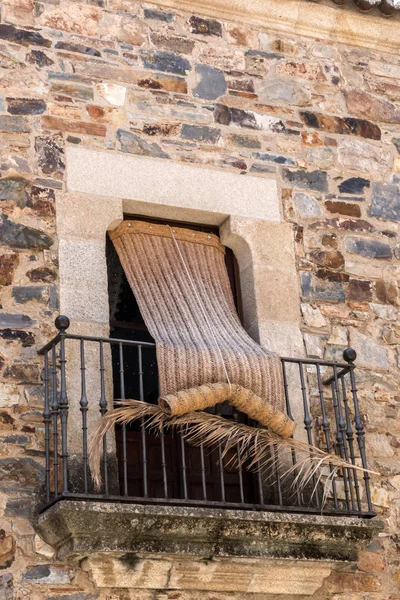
[{"x": 126, "y": 322}]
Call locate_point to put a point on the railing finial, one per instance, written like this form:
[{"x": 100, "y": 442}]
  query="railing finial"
[
  {"x": 62, "y": 323},
  {"x": 350, "y": 355}
]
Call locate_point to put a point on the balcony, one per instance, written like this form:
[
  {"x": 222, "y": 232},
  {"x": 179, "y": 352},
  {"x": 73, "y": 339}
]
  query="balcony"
[{"x": 168, "y": 483}]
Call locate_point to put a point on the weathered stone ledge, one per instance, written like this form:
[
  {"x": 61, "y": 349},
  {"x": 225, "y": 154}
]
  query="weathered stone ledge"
[{"x": 79, "y": 528}]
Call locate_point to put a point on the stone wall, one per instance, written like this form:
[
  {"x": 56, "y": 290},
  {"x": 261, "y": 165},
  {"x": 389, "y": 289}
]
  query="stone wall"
[{"x": 321, "y": 117}]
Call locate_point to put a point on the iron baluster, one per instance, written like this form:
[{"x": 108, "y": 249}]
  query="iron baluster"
[
  {"x": 142, "y": 424},
  {"x": 325, "y": 427},
  {"x": 103, "y": 410},
  {"x": 350, "y": 441},
  {"x": 83, "y": 403},
  {"x": 54, "y": 414},
  {"x": 240, "y": 473},
  {"x": 122, "y": 393},
  {"x": 340, "y": 429},
  {"x": 46, "y": 421},
  {"x": 221, "y": 463},
  {"x": 350, "y": 355},
  {"x": 203, "y": 472},
  {"x": 307, "y": 423},
  {"x": 62, "y": 324}
]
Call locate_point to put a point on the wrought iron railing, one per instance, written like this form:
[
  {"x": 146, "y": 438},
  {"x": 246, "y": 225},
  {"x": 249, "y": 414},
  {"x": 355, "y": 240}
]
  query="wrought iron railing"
[{"x": 82, "y": 375}]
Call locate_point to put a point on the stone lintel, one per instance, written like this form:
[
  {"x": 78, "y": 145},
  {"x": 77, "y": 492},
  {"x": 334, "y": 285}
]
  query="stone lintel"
[{"x": 80, "y": 528}]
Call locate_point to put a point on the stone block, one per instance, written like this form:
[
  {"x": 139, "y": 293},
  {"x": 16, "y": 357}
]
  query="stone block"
[
  {"x": 8, "y": 264},
  {"x": 166, "y": 61},
  {"x": 283, "y": 91},
  {"x": 313, "y": 316},
  {"x": 21, "y": 473},
  {"x": 17, "y": 321},
  {"x": 359, "y": 290},
  {"x": 27, "y": 293},
  {"x": 363, "y": 104},
  {"x": 354, "y": 185},
  {"x": 79, "y": 48},
  {"x": 205, "y": 26},
  {"x": 275, "y": 158},
  {"x": 343, "y": 208},
  {"x": 172, "y": 43},
  {"x": 79, "y": 18},
  {"x": 20, "y": 236},
  {"x": 344, "y": 126},
  {"x": 362, "y": 156},
  {"x": 211, "y": 83},
  {"x": 47, "y": 574},
  {"x": 25, "y": 106},
  {"x": 133, "y": 144},
  {"x": 307, "y": 180},
  {"x": 200, "y": 134},
  {"x": 14, "y": 124},
  {"x": 23, "y": 36},
  {"x": 368, "y": 248},
  {"x": 385, "y": 202},
  {"x": 370, "y": 354},
  {"x": 306, "y": 206},
  {"x": 158, "y": 15},
  {"x": 81, "y": 127}
]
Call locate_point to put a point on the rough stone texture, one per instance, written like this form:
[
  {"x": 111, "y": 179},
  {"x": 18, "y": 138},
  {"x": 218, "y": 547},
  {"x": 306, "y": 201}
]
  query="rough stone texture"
[{"x": 321, "y": 118}]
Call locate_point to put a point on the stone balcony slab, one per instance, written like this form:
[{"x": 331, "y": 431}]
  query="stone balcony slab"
[{"x": 79, "y": 528}]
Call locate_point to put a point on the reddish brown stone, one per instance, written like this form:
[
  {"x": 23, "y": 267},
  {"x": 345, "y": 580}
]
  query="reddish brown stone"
[
  {"x": 345, "y": 224},
  {"x": 332, "y": 275},
  {"x": 7, "y": 550},
  {"x": 371, "y": 107},
  {"x": 343, "y": 208},
  {"x": 8, "y": 264},
  {"x": 166, "y": 129},
  {"x": 309, "y": 138},
  {"x": 308, "y": 71},
  {"x": 339, "y": 125},
  {"x": 74, "y": 126},
  {"x": 163, "y": 82},
  {"x": 386, "y": 292},
  {"x": 359, "y": 290},
  {"x": 354, "y": 582},
  {"x": 330, "y": 259},
  {"x": 370, "y": 562},
  {"x": 42, "y": 274},
  {"x": 23, "y": 373},
  {"x": 330, "y": 240}
]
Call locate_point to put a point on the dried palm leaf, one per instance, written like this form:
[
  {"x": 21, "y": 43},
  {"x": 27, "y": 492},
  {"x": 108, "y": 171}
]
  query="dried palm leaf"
[{"x": 255, "y": 448}]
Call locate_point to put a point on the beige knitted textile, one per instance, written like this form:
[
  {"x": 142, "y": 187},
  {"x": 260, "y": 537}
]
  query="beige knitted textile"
[{"x": 193, "y": 347}]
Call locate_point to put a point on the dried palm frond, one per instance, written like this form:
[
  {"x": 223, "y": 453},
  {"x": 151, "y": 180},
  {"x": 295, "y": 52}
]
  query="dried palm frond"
[{"x": 254, "y": 447}]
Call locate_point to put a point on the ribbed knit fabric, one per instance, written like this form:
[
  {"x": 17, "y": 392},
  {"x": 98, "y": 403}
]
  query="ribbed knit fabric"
[{"x": 190, "y": 344}]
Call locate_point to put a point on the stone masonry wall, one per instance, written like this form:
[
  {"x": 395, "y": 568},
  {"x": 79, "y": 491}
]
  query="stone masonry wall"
[{"x": 121, "y": 76}]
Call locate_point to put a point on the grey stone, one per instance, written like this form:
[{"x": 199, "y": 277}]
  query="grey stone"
[
  {"x": 26, "y": 293},
  {"x": 26, "y": 338},
  {"x": 17, "y": 439},
  {"x": 201, "y": 134},
  {"x": 283, "y": 92},
  {"x": 259, "y": 168},
  {"x": 396, "y": 142},
  {"x": 16, "y": 235},
  {"x": 20, "y": 474},
  {"x": 368, "y": 248},
  {"x": 133, "y": 144},
  {"x": 25, "y": 106},
  {"x": 80, "y": 48},
  {"x": 50, "y": 154},
  {"x": 245, "y": 141},
  {"x": 6, "y": 587},
  {"x": 354, "y": 185},
  {"x": 308, "y": 180},
  {"x": 16, "y": 189},
  {"x": 11, "y": 124},
  {"x": 205, "y": 26},
  {"x": 10, "y": 321},
  {"x": 23, "y": 37},
  {"x": 212, "y": 83},
  {"x": 385, "y": 202},
  {"x": 370, "y": 354},
  {"x": 166, "y": 61},
  {"x": 275, "y": 158},
  {"x": 81, "y": 527},
  {"x": 313, "y": 289},
  {"x": 39, "y": 58},
  {"x": 49, "y": 574},
  {"x": 306, "y": 206},
  {"x": 158, "y": 15}
]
